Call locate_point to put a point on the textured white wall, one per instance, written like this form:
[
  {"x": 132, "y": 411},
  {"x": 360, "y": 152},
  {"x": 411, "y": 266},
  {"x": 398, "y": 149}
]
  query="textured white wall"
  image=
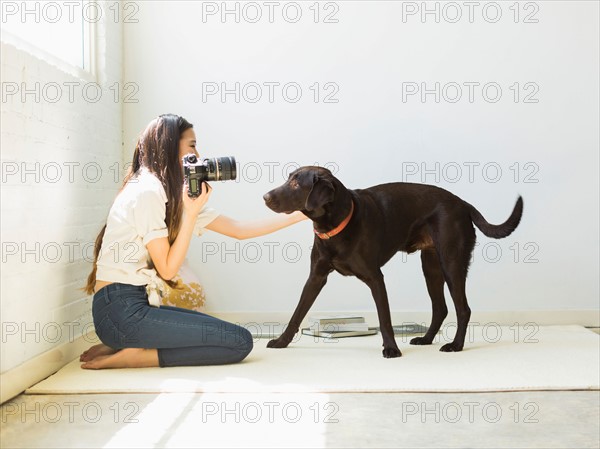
[
  {"x": 537, "y": 138},
  {"x": 61, "y": 147}
]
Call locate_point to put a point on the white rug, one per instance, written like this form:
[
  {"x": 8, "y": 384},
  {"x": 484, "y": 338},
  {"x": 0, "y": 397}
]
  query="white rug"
[{"x": 497, "y": 359}]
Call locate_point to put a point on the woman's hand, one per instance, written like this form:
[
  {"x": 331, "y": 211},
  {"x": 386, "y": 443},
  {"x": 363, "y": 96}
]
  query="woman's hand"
[{"x": 193, "y": 206}]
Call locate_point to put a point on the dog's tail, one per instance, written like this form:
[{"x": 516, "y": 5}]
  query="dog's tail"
[{"x": 501, "y": 230}]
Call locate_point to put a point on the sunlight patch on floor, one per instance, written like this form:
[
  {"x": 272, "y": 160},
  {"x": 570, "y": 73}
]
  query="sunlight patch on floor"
[{"x": 230, "y": 419}]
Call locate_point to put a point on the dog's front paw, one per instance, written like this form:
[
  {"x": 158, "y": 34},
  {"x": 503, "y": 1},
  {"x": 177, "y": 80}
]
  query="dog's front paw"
[
  {"x": 390, "y": 353},
  {"x": 420, "y": 341},
  {"x": 278, "y": 343},
  {"x": 451, "y": 347}
]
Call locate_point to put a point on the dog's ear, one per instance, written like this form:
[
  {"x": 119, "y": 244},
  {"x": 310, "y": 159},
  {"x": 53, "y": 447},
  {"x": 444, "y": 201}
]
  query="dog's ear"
[{"x": 321, "y": 193}]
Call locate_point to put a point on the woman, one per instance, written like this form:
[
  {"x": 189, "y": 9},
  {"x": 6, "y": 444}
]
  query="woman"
[{"x": 143, "y": 245}]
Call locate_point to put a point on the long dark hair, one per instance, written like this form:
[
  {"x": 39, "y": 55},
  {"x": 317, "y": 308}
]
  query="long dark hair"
[{"x": 157, "y": 150}]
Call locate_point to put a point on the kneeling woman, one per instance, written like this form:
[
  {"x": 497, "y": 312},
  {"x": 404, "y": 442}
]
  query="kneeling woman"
[{"x": 143, "y": 245}]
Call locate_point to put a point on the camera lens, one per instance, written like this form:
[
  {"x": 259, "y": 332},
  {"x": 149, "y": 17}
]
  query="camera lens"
[
  {"x": 228, "y": 168},
  {"x": 222, "y": 168}
]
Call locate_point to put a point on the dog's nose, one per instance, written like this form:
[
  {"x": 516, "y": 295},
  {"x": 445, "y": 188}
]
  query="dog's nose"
[{"x": 267, "y": 197}]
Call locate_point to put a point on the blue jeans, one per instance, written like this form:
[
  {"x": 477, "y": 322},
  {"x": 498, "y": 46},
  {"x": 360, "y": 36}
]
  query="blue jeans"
[{"x": 124, "y": 319}]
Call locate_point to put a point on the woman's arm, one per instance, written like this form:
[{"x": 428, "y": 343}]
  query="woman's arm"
[
  {"x": 167, "y": 258},
  {"x": 248, "y": 229}
]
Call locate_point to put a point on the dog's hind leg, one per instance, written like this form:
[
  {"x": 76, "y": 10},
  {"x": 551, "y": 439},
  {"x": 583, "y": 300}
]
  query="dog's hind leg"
[
  {"x": 434, "y": 277},
  {"x": 377, "y": 286},
  {"x": 463, "y": 313},
  {"x": 455, "y": 255}
]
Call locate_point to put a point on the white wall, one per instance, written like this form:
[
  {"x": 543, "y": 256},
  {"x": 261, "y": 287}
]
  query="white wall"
[
  {"x": 373, "y": 136},
  {"x": 47, "y": 222}
]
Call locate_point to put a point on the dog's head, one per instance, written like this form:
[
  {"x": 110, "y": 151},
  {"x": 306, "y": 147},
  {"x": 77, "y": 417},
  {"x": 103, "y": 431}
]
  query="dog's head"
[{"x": 308, "y": 189}]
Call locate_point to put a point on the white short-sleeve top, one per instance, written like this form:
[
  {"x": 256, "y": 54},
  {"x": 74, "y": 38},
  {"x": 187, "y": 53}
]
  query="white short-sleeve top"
[{"x": 136, "y": 217}]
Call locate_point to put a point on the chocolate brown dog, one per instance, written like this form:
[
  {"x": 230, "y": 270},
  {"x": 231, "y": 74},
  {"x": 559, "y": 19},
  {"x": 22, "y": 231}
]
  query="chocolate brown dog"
[{"x": 358, "y": 231}]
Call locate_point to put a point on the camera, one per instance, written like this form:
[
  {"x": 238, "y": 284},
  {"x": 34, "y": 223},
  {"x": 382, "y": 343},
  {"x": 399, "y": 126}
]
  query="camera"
[{"x": 210, "y": 169}]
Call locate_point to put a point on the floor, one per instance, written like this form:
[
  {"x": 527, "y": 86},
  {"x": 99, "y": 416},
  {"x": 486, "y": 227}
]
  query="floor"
[
  {"x": 549, "y": 419},
  {"x": 568, "y": 419}
]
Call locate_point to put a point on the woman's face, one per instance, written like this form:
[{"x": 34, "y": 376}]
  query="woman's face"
[{"x": 187, "y": 144}]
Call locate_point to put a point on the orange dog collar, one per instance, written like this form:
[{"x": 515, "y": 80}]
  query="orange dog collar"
[{"x": 339, "y": 228}]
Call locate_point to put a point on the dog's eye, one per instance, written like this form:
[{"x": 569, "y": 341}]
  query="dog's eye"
[{"x": 294, "y": 184}]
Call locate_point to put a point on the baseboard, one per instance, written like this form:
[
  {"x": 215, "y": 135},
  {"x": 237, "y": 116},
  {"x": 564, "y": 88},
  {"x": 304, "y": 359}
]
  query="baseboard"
[
  {"x": 23, "y": 376},
  {"x": 265, "y": 324}
]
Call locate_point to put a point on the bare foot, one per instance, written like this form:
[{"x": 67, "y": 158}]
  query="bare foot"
[
  {"x": 125, "y": 358},
  {"x": 96, "y": 350}
]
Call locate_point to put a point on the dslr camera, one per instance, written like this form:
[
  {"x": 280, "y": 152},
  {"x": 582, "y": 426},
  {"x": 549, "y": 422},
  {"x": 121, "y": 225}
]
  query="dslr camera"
[{"x": 210, "y": 169}]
